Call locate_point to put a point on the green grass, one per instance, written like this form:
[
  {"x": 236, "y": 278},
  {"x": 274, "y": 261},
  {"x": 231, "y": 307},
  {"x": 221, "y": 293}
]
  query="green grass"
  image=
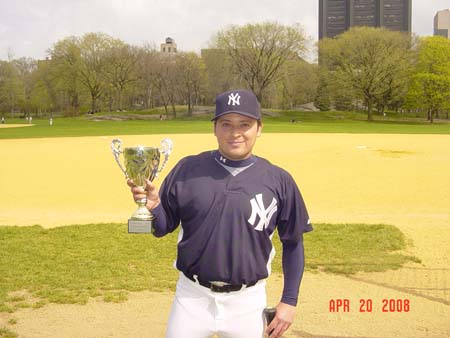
[
  {"x": 306, "y": 122},
  {"x": 73, "y": 263},
  {"x": 351, "y": 248},
  {"x": 6, "y": 333}
]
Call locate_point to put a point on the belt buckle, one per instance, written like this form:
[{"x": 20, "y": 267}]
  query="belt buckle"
[{"x": 217, "y": 286}]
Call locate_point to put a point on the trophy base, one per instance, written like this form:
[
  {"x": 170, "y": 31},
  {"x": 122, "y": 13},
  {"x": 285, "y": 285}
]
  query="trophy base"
[{"x": 140, "y": 226}]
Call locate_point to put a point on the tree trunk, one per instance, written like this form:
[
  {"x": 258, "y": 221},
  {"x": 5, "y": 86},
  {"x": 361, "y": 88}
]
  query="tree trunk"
[
  {"x": 93, "y": 104},
  {"x": 189, "y": 106},
  {"x": 174, "y": 111},
  {"x": 369, "y": 109},
  {"x": 120, "y": 99}
]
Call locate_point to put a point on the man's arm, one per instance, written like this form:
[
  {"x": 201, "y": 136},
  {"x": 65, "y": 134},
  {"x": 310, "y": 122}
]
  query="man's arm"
[{"x": 293, "y": 265}]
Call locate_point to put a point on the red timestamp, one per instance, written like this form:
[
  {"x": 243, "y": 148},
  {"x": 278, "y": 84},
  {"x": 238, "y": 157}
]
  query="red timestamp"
[{"x": 368, "y": 305}]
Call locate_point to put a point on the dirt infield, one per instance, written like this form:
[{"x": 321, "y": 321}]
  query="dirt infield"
[
  {"x": 15, "y": 125},
  {"x": 394, "y": 179}
]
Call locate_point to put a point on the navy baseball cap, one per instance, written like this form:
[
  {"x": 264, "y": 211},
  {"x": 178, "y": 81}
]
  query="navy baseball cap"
[{"x": 238, "y": 101}]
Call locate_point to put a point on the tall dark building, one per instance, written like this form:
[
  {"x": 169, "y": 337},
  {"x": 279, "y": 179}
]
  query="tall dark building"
[{"x": 336, "y": 16}]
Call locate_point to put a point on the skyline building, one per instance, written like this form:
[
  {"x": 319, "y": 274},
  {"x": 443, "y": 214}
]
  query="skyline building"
[
  {"x": 337, "y": 16},
  {"x": 169, "y": 46},
  {"x": 442, "y": 23}
]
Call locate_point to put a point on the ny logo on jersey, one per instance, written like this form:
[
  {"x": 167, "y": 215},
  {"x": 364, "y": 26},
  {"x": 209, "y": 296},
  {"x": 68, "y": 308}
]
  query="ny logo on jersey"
[
  {"x": 258, "y": 209},
  {"x": 233, "y": 99}
]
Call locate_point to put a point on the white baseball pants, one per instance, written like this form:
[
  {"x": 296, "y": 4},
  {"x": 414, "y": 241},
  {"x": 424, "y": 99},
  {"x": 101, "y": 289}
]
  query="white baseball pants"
[{"x": 197, "y": 312}]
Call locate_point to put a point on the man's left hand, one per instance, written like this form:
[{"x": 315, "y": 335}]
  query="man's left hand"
[{"x": 283, "y": 319}]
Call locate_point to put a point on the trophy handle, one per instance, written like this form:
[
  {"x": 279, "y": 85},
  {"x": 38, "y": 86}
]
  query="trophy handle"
[
  {"x": 166, "y": 149},
  {"x": 116, "y": 147}
]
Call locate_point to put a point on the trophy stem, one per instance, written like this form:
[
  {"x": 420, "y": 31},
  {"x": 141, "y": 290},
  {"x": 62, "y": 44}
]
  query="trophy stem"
[{"x": 142, "y": 213}]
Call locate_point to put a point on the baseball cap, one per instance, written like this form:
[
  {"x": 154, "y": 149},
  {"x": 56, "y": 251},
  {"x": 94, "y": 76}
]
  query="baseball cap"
[{"x": 238, "y": 101}]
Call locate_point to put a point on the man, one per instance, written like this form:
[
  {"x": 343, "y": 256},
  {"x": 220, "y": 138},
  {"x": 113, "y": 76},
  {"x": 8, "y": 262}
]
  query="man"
[{"x": 229, "y": 203}]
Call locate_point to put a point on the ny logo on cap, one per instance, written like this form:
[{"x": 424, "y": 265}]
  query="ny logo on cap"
[{"x": 233, "y": 99}]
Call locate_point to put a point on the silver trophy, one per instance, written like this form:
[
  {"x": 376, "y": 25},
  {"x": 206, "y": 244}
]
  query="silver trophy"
[{"x": 141, "y": 163}]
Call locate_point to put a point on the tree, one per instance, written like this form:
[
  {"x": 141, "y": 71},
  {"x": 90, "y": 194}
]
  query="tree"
[
  {"x": 166, "y": 82},
  {"x": 121, "y": 70},
  {"x": 11, "y": 88},
  {"x": 258, "y": 51},
  {"x": 64, "y": 74},
  {"x": 191, "y": 72},
  {"x": 94, "y": 49},
  {"x": 298, "y": 84},
  {"x": 322, "y": 98},
  {"x": 219, "y": 73},
  {"x": 430, "y": 88},
  {"x": 374, "y": 61},
  {"x": 25, "y": 68},
  {"x": 43, "y": 95},
  {"x": 147, "y": 65}
]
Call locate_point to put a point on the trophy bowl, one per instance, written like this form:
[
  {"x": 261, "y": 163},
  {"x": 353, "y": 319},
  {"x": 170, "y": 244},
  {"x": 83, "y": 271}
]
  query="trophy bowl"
[{"x": 141, "y": 163}]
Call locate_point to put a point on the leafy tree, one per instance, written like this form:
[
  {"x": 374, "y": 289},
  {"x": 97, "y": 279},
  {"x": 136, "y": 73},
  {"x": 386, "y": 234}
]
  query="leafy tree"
[
  {"x": 64, "y": 73},
  {"x": 94, "y": 50},
  {"x": 43, "y": 94},
  {"x": 430, "y": 87},
  {"x": 322, "y": 98},
  {"x": 25, "y": 68},
  {"x": 219, "y": 73},
  {"x": 11, "y": 88},
  {"x": 298, "y": 84},
  {"x": 258, "y": 51},
  {"x": 374, "y": 61}
]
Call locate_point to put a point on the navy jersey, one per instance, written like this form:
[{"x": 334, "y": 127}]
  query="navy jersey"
[{"x": 228, "y": 221}]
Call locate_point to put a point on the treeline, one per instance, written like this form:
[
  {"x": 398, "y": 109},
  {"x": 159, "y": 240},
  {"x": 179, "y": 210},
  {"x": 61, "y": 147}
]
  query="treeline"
[
  {"x": 97, "y": 72},
  {"x": 379, "y": 69},
  {"x": 364, "y": 68}
]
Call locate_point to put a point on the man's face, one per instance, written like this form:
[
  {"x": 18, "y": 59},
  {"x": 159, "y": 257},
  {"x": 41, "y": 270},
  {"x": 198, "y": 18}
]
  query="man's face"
[{"x": 236, "y": 135}]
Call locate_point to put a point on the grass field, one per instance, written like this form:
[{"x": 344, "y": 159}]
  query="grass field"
[
  {"x": 350, "y": 179},
  {"x": 305, "y": 122},
  {"x": 73, "y": 263}
]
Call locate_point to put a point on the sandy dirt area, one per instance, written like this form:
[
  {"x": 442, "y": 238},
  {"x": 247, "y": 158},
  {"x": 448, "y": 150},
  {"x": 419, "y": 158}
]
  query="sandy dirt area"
[
  {"x": 393, "y": 179},
  {"x": 15, "y": 125}
]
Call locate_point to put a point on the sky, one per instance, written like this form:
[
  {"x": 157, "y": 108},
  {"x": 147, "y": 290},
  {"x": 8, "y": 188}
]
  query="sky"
[{"x": 28, "y": 28}]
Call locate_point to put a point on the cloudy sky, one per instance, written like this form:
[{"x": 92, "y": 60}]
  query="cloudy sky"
[{"x": 30, "y": 27}]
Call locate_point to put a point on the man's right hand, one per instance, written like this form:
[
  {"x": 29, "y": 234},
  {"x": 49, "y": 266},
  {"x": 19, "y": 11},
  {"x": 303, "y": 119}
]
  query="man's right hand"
[{"x": 150, "y": 193}]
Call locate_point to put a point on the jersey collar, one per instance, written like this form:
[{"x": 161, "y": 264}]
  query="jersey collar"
[{"x": 235, "y": 164}]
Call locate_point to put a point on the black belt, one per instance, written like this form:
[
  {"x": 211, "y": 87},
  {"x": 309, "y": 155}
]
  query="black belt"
[{"x": 219, "y": 288}]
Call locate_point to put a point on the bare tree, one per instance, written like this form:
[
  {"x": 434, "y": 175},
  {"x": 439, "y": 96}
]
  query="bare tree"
[
  {"x": 166, "y": 82},
  {"x": 191, "y": 72},
  {"x": 147, "y": 66},
  {"x": 121, "y": 70},
  {"x": 258, "y": 51}
]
